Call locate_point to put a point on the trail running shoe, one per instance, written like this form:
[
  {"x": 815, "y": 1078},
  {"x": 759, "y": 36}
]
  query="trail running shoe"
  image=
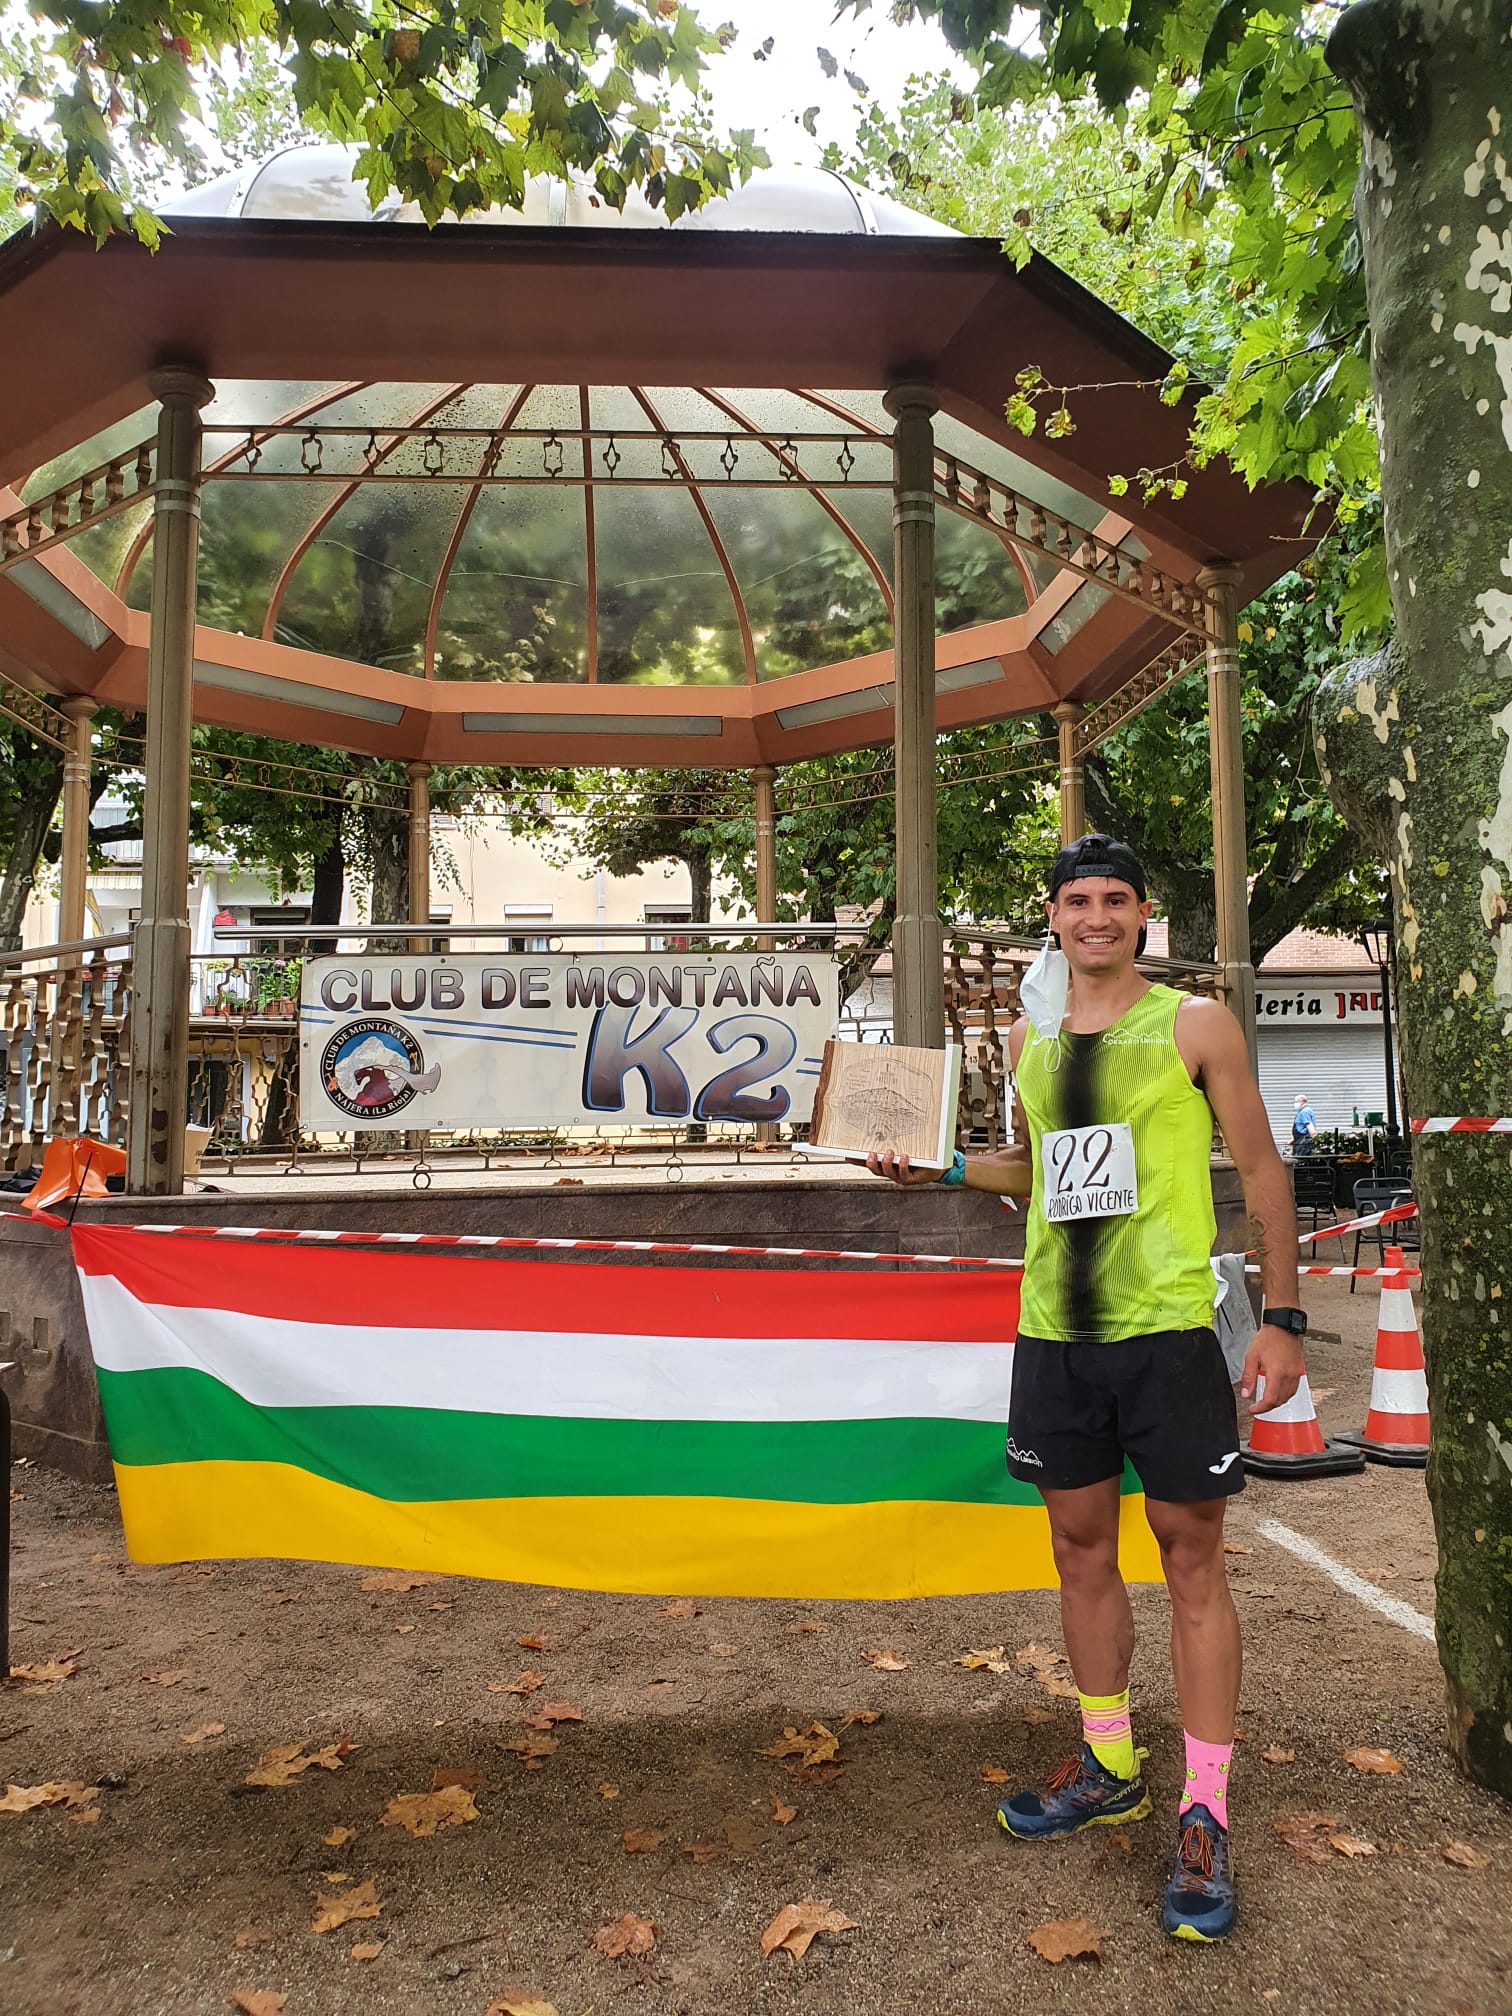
[
  {"x": 1199, "y": 1899},
  {"x": 1080, "y": 1794}
]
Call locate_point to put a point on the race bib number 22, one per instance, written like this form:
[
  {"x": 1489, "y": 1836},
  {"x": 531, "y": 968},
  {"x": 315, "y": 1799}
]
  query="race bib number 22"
[{"x": 1088, "y": 1172}]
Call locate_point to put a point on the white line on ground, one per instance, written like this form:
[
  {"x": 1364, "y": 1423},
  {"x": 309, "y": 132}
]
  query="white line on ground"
[{"x": 1347, "y": 1580}]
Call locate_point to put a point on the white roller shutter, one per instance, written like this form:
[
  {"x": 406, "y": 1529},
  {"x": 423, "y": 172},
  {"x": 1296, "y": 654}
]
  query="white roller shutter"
[{"x": 1340, "y": 1069}]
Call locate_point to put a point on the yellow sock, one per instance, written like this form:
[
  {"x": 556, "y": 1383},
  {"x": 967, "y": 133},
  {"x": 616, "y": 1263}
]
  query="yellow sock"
[{"x": 1107, "y": 1732}]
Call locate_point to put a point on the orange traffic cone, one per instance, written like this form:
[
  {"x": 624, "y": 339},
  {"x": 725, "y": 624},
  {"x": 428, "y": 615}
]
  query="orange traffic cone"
[
  {"x": 1396, "y": 1427},
  {"x": 1289, "y": 1442}
]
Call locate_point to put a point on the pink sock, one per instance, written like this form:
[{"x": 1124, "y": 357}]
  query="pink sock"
[{"x": 1207, "y": 1774}]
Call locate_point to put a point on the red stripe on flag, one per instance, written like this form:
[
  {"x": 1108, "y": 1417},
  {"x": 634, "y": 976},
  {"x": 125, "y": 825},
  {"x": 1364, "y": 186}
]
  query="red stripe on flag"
[{"x": 398, "y": 1287}]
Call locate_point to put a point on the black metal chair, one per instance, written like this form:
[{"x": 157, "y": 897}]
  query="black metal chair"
[
  {"x": 1370, "y": 1197},
  {"x": 1313, "y": 1189}
]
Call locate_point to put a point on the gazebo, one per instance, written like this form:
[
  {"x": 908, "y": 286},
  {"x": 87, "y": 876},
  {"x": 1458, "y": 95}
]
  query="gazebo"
[{"x": 569, "y": 486}]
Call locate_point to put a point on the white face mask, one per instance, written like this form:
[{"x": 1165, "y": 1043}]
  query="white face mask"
[{"x": 1043, "y": 990}]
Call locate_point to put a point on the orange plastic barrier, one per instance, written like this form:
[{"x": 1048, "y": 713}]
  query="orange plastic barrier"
[{"x": 73, "y": 1168}]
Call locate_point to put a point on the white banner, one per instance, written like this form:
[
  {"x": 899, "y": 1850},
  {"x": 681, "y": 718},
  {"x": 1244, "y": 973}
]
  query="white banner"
[{"x": 562, "y": 1039}]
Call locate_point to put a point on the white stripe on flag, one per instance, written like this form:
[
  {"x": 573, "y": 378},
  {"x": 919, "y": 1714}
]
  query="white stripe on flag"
[{"x": 570, "y": 1374}]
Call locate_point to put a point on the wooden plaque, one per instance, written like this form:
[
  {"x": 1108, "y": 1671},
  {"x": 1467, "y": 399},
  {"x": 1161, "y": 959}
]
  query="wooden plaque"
[{"x": 874, "y": 1096}]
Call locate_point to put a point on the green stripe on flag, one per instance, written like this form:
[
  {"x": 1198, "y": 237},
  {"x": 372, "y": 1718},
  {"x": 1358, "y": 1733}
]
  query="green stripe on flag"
[{"x": 178, "y": 1415}]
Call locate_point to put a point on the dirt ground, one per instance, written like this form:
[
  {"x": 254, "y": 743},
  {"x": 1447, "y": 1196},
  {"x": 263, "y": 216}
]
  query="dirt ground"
[{"x": 139, "y": 1912}]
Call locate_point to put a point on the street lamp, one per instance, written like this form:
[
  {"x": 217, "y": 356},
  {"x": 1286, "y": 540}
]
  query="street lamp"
[{"x": 1377, "y": 941}]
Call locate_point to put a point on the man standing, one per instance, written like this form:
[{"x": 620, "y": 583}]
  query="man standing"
[
  {"x": 1304, "y": 1128},
  {"x": 1117, "y": 1092}
]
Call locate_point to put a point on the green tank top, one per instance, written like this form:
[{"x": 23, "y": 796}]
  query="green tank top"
[{"x": 1120, "y": 1225}]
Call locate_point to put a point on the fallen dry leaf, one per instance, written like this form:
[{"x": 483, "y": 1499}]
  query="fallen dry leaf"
[
  {"x": 252, "y": 1936},
  {"x": 811, "y": 1746},
  {"x": 1274, "y": 1754},
  {"x": 532, "y": 1747},
  {"x": 992, "y": 1659},
  {"x": 782, "y": 1814},
  {"x": 48, "y": 1672},
  {"x": 287, "y": 1761},
  {"x": 865, "y": 1717},
  {"x": 807, "y": 1627},
  {"x": 1046, "y": 1666},
  {"x": 258, "y": 2001},
  {"x": 994, "y": 1774},
  {"x": 367, "y": 1949},
  {"x": 273, "y": 1597},
  {"x": 527, "y": 1683},
  {"x": 1033, "y": 1716},
  {"x": 627, "y": 1938},
  {"x": 796, "y": 1926},
  {"x": 1121, "y": 1842},
  {"x": 1351, "y": 1845},
  {"x": 85, "y": 1817},
  {"x": 885, "y": 1660},
  {"x": 422, "y": 1814},
  {"x": 724, "y": 1651},
  {"x": 608, "y": 1791},
  {"x": 513, "y": 2002},
  {"x": 1233, "y": 1547},
  {"x": 555, "y": 1711},
  {"x": 642, "y": 1840},
  {"x": 71, "y": 1792},
  {"x": 448, "y": 1774},
  {"x": 392, "y": 1579},
  {"x": 535, "y": 1642},
  {"x": 339, "y": 1837},
  {"x": 699, "y": 1852},
  {"x": 331, "y": 1913},
  {"x": 204, "y": 1732},
  {"x": 170, "y": 1679},
  {"x": 1380, "y": 1762},
  {"x": 334, "y": 1876},
  {"x": 682, "y": 1609},
  {"x": 1306, "y": 1834},
  {"x": 404, "y": 1630},
  {"x": 1067, "y": 1939},
  {"x": 1463, "y": 1856}
]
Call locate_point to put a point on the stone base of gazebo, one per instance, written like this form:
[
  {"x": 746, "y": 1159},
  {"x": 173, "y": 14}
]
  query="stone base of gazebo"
[{"x": 54, "y": 1399}]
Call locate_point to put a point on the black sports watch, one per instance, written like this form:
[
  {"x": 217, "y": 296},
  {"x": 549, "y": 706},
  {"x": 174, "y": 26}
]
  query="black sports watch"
[{"x": 1293, "y": 1320}]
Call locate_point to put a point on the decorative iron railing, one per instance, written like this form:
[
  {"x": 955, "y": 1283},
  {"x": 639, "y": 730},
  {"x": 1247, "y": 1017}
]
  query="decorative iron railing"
[{"x": 65, "y": 1018}]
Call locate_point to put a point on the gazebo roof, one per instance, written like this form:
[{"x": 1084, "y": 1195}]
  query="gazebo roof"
[{"x": 514, "y": 455}]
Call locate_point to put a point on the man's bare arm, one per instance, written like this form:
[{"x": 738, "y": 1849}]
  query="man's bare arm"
[{"x": 1213, "y": 1042}]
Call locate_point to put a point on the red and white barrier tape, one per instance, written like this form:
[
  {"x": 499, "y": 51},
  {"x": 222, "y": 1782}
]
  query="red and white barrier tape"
[
  {"x": 1357, "y": 1273},
  {"x": 1462, "y": 1123},
  {"x": 1391, "y": 1217},
  {"x": 275, "y": 1234}
]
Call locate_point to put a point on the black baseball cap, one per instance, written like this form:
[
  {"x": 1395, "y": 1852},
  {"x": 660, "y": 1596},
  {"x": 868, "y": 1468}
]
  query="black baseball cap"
[{"x": 1096, "y": 854}]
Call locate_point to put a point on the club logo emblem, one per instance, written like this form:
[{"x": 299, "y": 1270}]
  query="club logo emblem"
[{"x": 373, "y": 1068}]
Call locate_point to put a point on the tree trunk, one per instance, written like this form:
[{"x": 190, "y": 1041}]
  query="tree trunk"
[
  {"x": 701, "y": 880},
  {"x": 388, "y": 867},
  {"x": 1419, "y": 741},
  {"x": 34, "y": 815},
  {"x": 328, "y": 891}
]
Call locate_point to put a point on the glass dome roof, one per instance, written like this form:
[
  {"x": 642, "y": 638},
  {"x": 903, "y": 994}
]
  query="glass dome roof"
[{"x": 699, "y": 583}]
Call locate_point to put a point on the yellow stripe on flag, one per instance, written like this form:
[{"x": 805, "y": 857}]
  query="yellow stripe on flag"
[{"x": 650, "y": 1546}]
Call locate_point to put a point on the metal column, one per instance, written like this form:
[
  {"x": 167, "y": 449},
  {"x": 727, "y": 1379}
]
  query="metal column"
[
  {"x": 1073, "y": 784},
  {"x": 159, "y": 1062},
  {"x": 918, "y": 943},
  {"x": 74, "y": 858},
  {"x": 1219, "y": 584},
  {"x": 419, "y": 850}
]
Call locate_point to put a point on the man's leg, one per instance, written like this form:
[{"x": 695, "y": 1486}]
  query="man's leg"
[
  {"x": 1206, "y": 1656},
  {"x": 1103, "y": 1783},
  {"x": 1205, "y": 1646},
  {"x": 1095, "y": 1615}
]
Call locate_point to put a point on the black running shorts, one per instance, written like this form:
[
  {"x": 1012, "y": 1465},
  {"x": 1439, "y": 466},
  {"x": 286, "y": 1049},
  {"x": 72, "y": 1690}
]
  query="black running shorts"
[{"x": 1164, "y": 1401}]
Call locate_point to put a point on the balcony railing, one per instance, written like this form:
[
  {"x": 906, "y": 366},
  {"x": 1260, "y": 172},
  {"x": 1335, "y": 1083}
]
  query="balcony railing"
[{"x": 65, "y": 1015}]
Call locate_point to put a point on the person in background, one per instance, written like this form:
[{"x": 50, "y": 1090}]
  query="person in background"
[{"x": 1304, "y": 1128}]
